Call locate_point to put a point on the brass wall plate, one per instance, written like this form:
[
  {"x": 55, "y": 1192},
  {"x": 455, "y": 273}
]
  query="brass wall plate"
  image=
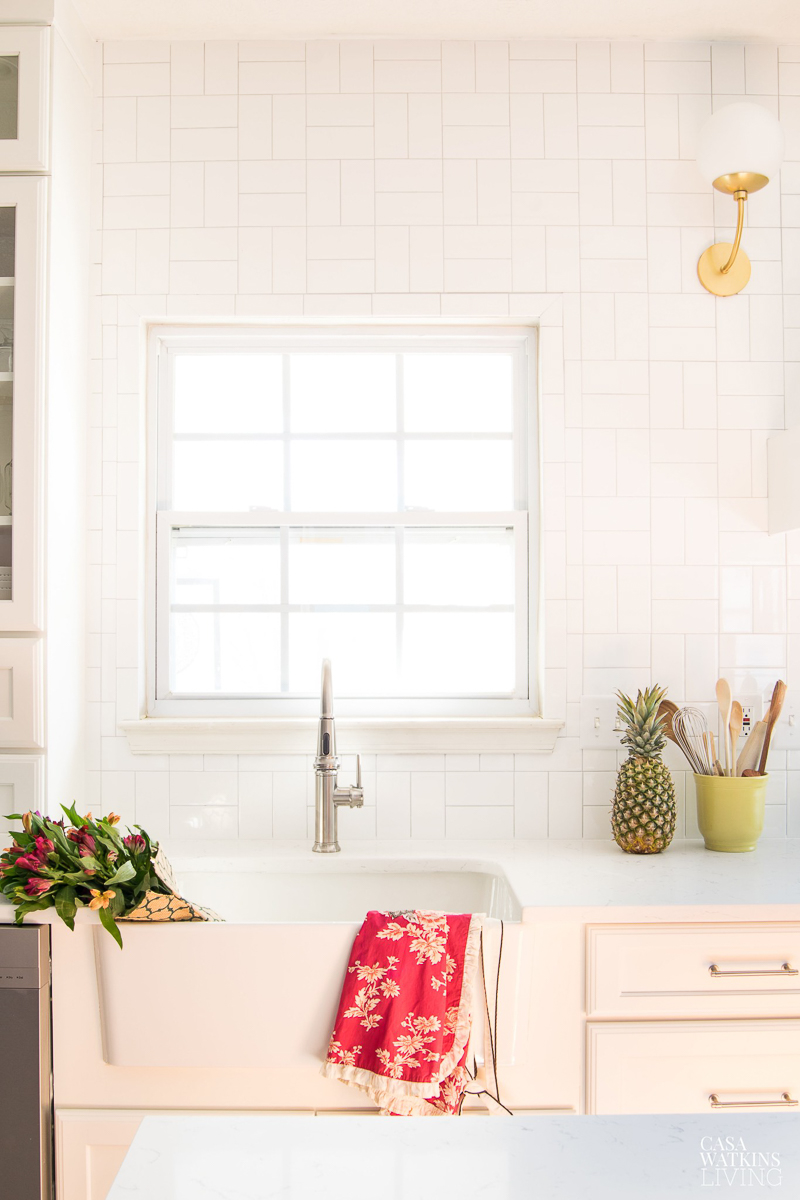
[
  {"x": 740, "y": 181},
  {"x": 709, "y": 270}
]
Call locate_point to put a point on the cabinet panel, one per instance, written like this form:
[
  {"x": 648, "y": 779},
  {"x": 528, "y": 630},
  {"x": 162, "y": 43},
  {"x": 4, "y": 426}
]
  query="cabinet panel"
[
  {"x": 676, "y": 1066},
  {"x": 22, "y": 266},
  {"x": 24, "y": 108},
  {"x": 20, "y": 693},
  {"x": 666, "y": 970},
  {"x": 92, "y": 1143},
  {"x": 90, "y": 1148},
  {"x": 20, "y": 783}
]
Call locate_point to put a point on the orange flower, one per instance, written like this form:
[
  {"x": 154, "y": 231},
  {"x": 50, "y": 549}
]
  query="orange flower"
[
  {"x": 26, "y": 822},
  {"x": 113, "y": 818},
  {"x": 101, "y": 899}
]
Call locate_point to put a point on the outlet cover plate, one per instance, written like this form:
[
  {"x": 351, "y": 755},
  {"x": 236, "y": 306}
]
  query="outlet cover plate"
[
  {"x": 786, "y": 734},
  {"x": 598, "y": 718}
]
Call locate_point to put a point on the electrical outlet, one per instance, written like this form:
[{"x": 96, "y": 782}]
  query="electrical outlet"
[
  {"x": 598, "y": 718},
  {"x": 752, "y": 712}
]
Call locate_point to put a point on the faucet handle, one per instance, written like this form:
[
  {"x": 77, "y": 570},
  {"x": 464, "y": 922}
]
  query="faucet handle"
[{"x": 358, "y": 771}]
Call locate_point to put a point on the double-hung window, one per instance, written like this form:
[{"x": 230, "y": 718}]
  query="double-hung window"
[{"x": 361, "y": 494}]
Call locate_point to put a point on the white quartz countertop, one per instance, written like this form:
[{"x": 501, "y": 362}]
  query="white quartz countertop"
[
  {"x": 547, "y": 873},
  {"x": 543, "y": 874},
  {"x": 560, "y": 1158}
]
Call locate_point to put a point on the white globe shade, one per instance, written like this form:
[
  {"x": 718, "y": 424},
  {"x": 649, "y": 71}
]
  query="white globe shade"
[{"x": 740, "y": 137}]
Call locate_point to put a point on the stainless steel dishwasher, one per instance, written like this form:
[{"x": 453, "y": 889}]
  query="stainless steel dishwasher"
[{"x": 26, "y": 1093}]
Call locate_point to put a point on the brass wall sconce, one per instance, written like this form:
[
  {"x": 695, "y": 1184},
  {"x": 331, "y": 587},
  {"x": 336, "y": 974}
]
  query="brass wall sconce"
[{"x": 739, "y": 150}]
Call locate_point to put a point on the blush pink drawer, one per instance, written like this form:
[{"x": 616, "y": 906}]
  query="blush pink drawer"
[
  {"x": 715, "y": 970},
  {"x": 693, "y": 1066}
]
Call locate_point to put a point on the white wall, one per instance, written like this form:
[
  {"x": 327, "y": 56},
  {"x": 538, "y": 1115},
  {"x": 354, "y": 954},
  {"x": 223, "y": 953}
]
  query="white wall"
[
  {"x": 457, "y": 179},
  {"x": 69, "y": 288}
]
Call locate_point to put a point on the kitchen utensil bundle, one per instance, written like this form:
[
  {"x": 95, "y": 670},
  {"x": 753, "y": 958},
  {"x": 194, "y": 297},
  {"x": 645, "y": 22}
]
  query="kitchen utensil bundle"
[
  {"x": 688, "y": 728},
  {"x": 692, "y": 735}
]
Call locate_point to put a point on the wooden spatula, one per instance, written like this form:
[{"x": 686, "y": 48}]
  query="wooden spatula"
[
  {"x": 737, "y": 717},
  {"x": 751, "y": 751},
  {"x": 667, "y": 710},
  {"x": 775, "y": 706},
  {"x": 725, "y": 700}
]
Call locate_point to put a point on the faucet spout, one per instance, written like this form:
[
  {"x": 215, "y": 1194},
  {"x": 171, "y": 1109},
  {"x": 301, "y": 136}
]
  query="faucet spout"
[
  {"x": 328, "y": 795},
  {"x": 326, "y": 708},
  {"x": 326, "y": 734}
]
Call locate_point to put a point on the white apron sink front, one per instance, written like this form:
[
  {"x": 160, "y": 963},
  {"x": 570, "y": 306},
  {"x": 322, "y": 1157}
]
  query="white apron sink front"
[{"x": 261, "y": 990}]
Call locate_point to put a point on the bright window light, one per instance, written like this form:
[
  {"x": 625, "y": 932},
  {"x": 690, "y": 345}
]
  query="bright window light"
[{"x": 360, "y": 495}]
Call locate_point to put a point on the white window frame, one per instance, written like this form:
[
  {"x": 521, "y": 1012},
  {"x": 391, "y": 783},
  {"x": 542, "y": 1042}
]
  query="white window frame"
[{"x": 164, "y": 341}]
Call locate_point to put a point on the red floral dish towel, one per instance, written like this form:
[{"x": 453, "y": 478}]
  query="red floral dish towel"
[{"x": 403, "y": 1025}]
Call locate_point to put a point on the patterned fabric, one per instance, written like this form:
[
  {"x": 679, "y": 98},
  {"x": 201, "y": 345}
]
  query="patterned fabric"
[
  {"x": 404, "y": 1018},
  {"x": 158, "y": 907}
]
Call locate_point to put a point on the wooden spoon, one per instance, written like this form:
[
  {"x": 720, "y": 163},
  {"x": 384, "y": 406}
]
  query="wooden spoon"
[
  {"x": 737, "y": 717},
  {"x": 725, "y": 700},
  {"x": 751, "y": 751},
  {"x": 775, "y": 706},
  {"x": 667, "y": 710}
]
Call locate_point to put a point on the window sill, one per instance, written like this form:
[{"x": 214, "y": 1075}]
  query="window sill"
[{"x": 367, "y": 735}]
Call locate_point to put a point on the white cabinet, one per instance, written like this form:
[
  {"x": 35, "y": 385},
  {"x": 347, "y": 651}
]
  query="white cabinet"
[
  {"x": 21, "y": 717},
  {"x": 23, "y": 202},
  {"x": 692, "y": 1066},
  {"x": 20, "y": 783},
  {"x": 22, "y": 302},
  {"x": 637, "y": 975},
  {"x": 24, "y": 78},
  {"x": 90, "y": 1147},
  {"x": 92, "y": 1143},
  {"x": 708, "y": 970}
]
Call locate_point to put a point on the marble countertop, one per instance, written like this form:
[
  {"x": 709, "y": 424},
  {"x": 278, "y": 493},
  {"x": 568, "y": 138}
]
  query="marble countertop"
[
  {"x": 561, "y": 1158},
  {"x": 549, "y": 873},
  {"x": 542, "y": 874}
]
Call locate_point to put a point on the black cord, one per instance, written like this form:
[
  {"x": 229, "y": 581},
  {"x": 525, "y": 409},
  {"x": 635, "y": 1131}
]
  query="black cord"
[{"x": 492, "y": 1033}]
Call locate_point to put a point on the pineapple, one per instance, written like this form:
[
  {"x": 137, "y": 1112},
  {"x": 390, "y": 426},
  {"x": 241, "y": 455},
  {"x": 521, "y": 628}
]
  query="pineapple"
[{"x": 643, "y": 813}]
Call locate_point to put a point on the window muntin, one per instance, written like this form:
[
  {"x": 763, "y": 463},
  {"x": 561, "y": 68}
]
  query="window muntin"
[{"x": 383, "y": 523}]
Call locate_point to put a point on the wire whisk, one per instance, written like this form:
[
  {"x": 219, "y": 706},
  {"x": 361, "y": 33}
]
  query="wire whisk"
[{"x": 692, "y": 735}]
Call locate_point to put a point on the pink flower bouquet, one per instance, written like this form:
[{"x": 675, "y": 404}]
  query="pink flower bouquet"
[{"x": 52, "y": 865}]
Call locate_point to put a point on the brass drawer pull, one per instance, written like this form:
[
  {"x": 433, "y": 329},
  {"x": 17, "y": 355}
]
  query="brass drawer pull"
[
  {"x": 786, "y": 969},
  {"x": 785, "y": 1101}
]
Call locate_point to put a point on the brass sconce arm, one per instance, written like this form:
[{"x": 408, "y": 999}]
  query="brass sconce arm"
[
  {"x": 724, "y": 269},
  {"x": 740, "y": 198}
]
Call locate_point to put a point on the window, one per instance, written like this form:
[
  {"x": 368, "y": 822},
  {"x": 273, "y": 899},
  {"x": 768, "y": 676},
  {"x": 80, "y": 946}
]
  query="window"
[{"x": 358, "y": 494}]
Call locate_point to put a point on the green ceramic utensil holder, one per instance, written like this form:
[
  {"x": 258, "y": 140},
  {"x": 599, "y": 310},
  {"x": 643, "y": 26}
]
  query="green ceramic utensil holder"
[{"x": 730, "y": 811}]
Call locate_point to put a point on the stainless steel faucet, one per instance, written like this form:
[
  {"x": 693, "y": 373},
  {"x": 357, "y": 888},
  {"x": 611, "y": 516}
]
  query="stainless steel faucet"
[{"x": 328, "y": 796}]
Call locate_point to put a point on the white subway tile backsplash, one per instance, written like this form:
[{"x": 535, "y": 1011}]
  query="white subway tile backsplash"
[
  {"x": 255, "y": 805},
  {"x": 408, "y": 179},
  {"x": 393, "y": 802},
  {"x": 290, "y": 795},
  {"x": 565, "y": 805},
  {"x": 531, "y": 805},
  {"x": 479, "y": 823},
  {"x": 204, "y": 787},
  {"x": 136, "y": 79},
  {"x": 479, "y": 788},
  {"x": 206, "y": 823}
]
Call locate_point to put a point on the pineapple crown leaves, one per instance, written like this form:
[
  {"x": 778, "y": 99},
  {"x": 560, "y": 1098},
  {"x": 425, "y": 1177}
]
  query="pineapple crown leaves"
[{"x": 644, "y": 728}]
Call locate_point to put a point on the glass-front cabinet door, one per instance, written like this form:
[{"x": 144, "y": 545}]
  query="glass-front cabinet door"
[
  {"x": 24, "y": 68},
  {"x": 22, "y": 215},
  {"x": 8, "y": 220}
]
